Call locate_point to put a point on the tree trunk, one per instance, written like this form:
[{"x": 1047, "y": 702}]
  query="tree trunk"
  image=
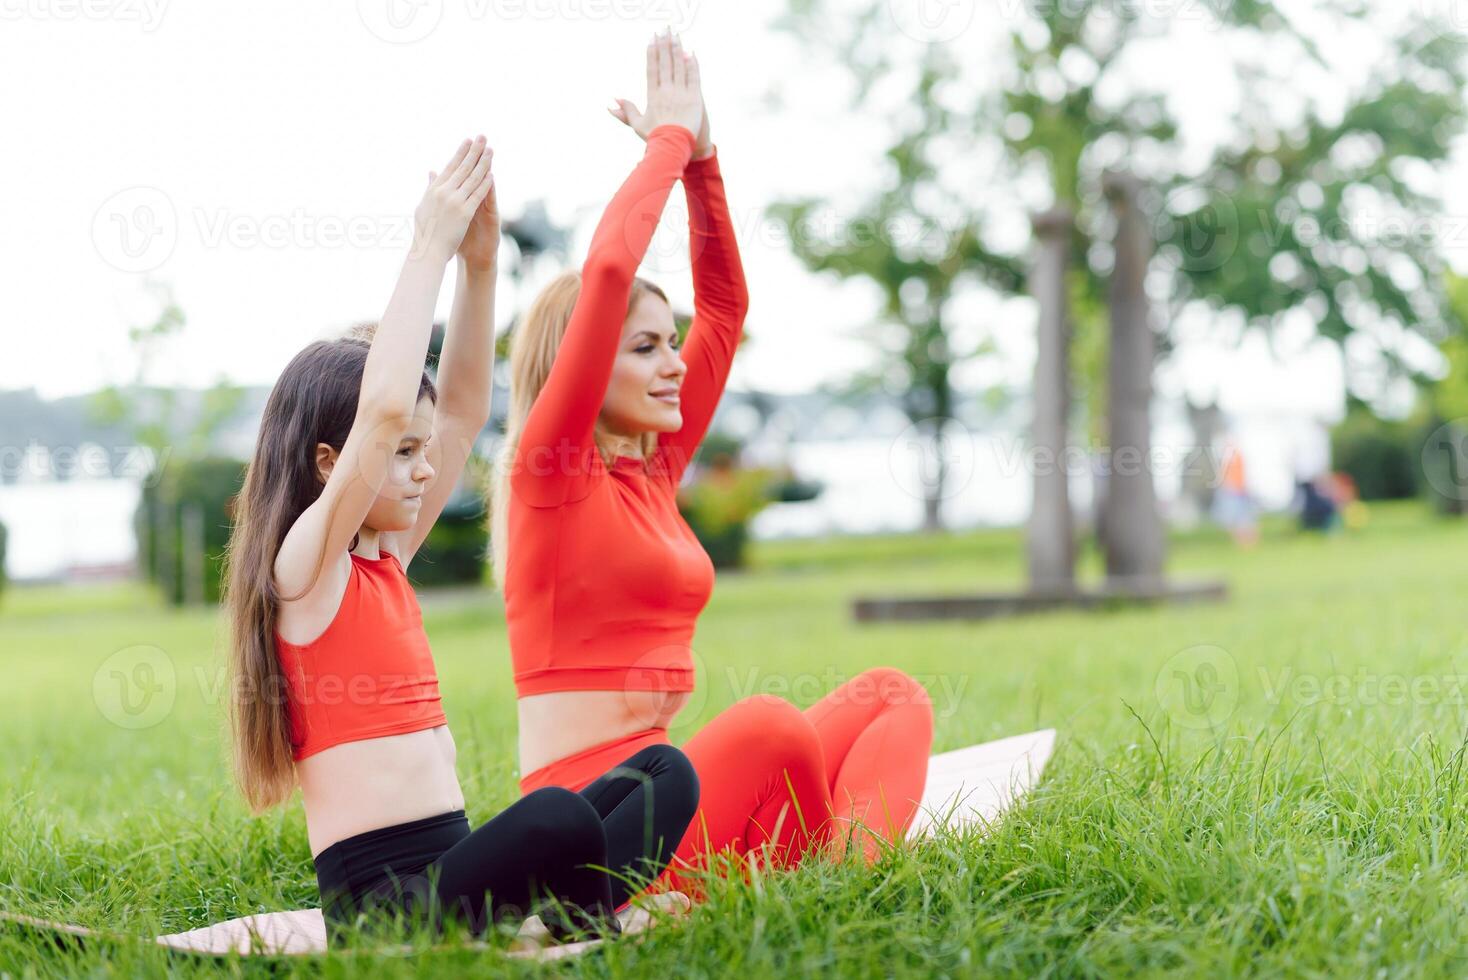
[
  {"x": 1051, "y": 537},
  {"x": 1133, "y": 542}
]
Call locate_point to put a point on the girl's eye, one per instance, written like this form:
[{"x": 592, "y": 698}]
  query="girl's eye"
[{"x": 644, "y": 348}]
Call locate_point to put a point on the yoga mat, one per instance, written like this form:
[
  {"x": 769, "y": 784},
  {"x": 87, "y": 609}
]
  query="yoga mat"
[
  {"x": 303, "y": 932},
  {"x": 974, "y": 786},
  {"x": 966, "y": 787}
]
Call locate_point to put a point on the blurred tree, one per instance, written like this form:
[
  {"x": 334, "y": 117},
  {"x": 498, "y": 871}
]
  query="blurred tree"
[
  {"x": 918, "y": 242},
  {"x": 1298, "y": 213},
  {"x": 182, "y": 520}
]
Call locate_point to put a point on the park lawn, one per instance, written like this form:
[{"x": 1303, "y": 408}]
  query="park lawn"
[{"x": 1272, "y": 784}]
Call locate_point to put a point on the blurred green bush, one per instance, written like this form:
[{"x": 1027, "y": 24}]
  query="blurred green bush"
[
  {"x": 184, "y": 519},
  {"x": 725, "y": 497},
  {"x": 183, "y": 523},
  {"x": 1383, "y": 458}
]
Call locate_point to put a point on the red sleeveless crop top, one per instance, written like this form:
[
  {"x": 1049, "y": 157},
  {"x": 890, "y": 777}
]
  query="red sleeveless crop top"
[
  {"x": 604, "y": 579},
  {"x": 370, "y": 673}
]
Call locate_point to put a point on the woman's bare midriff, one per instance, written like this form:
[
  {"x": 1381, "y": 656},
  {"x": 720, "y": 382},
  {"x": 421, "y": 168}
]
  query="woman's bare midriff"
[
  {"x": 355, "y": 787},
  {"x": 562, "y": 723}
]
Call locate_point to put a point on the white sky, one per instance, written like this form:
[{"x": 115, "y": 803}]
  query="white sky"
[{"x": 246, "y": 138}]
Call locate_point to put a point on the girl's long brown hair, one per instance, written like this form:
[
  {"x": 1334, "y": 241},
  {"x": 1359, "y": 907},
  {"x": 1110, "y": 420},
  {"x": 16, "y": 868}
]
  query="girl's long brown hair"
[
  {"x": 533, "y": 348},
  {"x": 314, "y": 401}
]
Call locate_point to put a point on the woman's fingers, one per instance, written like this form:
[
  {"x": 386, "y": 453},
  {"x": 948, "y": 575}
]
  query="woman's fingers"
[
  {"x": 665, "y": 59},
  {"x": 652, "y": 64},
  {"x": 476, "y": 176},
  {"x": 694, "y": 78},
  {"x": 467, "y": 165},
  {"x": 483, "y": 190},
  {"x": 455, "y": 160},
  {"x": 680, "y": 63}
]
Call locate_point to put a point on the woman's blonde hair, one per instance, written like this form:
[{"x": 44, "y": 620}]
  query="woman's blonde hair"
[{"x": 533, "y": 348}]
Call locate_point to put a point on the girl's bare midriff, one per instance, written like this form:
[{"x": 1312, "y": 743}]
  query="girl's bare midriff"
[
  {"x": 562, "y": 723},
  {"x": 355, "y": 787}
]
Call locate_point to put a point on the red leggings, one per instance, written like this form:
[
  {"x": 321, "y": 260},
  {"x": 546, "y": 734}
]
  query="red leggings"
[{"x": 776, "y": 781}]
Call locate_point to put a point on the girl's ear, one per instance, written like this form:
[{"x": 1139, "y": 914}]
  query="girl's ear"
[{"x": 325, "y": 461}]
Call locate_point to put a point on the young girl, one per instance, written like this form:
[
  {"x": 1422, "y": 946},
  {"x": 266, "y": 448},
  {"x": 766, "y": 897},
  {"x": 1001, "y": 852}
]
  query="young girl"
[
  {"x": 335, "y": 685},
  {"x": 604, "y": 580}
]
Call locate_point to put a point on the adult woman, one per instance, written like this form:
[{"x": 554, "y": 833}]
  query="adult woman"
[
  {"x": 603, "y": 580},
  {"x": 335, "y": 685}
]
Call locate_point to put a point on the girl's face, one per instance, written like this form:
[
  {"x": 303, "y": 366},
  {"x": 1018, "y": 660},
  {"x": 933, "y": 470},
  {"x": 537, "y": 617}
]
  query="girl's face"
[
  {"x": 646, "y": 374},
  {"x": 409, "y": 474}
]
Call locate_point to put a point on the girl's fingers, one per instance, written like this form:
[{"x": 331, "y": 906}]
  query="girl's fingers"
[
  {"x": 694, "y": 78},
  {"x": 454, "y": 160},
  {"x": 652, "y": 63}
]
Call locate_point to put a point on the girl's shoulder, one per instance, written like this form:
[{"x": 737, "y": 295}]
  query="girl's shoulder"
[{"x": 304, "y": 619}]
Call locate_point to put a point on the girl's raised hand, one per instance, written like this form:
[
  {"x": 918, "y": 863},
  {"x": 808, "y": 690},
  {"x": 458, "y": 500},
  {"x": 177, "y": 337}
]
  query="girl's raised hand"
[
  {"x": 481, "y": 243},
  {"x": 451, "y": 200},
  {"x": 674, "y": 91}
]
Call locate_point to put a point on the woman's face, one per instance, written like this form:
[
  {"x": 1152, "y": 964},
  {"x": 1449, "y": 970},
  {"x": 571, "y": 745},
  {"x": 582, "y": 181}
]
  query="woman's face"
[{"x": 646, "y": 374}]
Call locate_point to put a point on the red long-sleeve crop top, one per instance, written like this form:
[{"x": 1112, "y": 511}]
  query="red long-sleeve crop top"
[{"x": 604, "y": 578}]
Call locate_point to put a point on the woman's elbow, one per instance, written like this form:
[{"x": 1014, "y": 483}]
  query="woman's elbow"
[{"x": 605, "y": 274}]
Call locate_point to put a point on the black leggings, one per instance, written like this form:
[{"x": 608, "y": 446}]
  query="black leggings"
[{"x": 544, "y": 853}]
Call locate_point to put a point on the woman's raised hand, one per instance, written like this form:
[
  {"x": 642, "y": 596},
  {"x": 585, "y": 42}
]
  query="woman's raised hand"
[
  {"x": 674, "y": 91},
  {"x": 451, "y": 200}
]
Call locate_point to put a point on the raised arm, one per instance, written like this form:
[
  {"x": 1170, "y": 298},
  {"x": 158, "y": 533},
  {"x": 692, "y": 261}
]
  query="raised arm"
[
  {"x": 553, "y": 457},
  {"x": 390, "y": 378},
  {"x": 720, "y": 297},
  {"x": 465, "y": 372},
  {"x": 720, "y": 300}
]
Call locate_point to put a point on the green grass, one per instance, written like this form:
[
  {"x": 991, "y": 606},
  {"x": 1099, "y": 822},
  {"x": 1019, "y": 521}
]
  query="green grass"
[{"x": 1316, "y": 829}]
